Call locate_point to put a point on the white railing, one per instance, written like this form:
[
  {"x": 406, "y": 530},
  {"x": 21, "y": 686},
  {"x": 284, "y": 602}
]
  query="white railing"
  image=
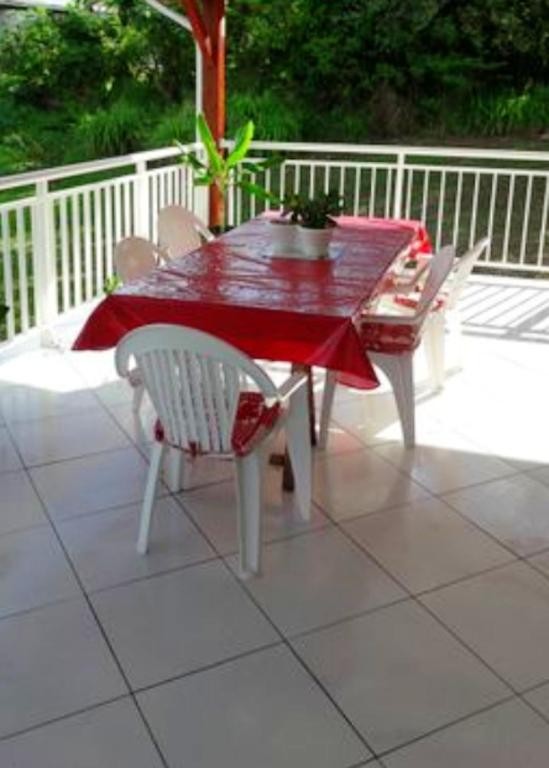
[
  {"x": 58, "y": 227},
  {"x": 460, "y": 194}
]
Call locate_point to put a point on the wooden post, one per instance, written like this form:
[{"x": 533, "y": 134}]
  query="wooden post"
[{"x": 208, "y": 23}]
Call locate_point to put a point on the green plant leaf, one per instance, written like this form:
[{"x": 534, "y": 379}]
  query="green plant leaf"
[
  {"x": 215, "y": 159},
  {"x": 256, "y": 190},
  {"x": 242, "y": 142}
]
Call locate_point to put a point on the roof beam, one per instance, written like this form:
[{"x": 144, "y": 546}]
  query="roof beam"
[
  {"x": 199, "y": 28},
  {"x": 169, "y": 13}
]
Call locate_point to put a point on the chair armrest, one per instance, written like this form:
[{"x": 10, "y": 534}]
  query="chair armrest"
[
  {"x": 291, "y": 385},
  {"x": 391, "y": 319}
]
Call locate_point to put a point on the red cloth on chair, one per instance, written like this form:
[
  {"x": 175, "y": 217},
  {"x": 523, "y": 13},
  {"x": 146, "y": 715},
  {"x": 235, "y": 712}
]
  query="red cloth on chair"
[{"x": 254, "y": 419}]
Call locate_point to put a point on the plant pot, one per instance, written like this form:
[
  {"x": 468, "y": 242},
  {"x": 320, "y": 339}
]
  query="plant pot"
[
  {"x": 314, "y": 243},
  {"x": 283, "y": 235}
]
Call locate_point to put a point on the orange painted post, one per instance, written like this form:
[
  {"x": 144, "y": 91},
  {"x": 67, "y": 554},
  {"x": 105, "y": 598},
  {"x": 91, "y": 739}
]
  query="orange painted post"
[{"x": 208, "y": 25}]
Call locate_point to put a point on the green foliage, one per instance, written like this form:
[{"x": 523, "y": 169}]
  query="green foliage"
[
  {"x": 107, "y": 132},
  {"x": 220, "y": 170},
  {"x": 111, "y": 284},
  {"x": 316, "y": 212},
  {"x": 174, "y": 124},
  {"x": 3, "y": 311},
  {"x": 99, "y": 80},
  {"x": 274, "y": 116}
]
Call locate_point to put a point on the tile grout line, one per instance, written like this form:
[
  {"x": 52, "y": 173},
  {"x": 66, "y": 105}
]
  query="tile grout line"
[
  {"x": 288, "y": 646},
  {"x": 103, "y": 633}
]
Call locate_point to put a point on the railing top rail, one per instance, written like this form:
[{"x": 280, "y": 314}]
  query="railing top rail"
[
  {"x": 390, "y": 150},
  {"x": 92, "y": 166},
  {"x": 406, "y": 150}
]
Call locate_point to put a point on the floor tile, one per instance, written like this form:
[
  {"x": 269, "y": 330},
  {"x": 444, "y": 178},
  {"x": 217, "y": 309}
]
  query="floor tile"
[
  {"x": 442, "y": 461},
  {"x": 353, "y": 484},
  {"x": 214, "y": 510},
  {"x": 513, "y": 509},
  {"x": 426, "y": 544},
  {"x": 541, "y": 474},
  {"x": 138, "y": 426},
  {"x": 262, "y": 710},
  {"x": 20, "y": 507},
  {"x": 109, "y": 736},
  {"x": 92, "y": 483},
  {"x": 54, "y": 662},
  {"x": 66, "y": 437},
  {"x": 539, "y": 698},
  {"x": 33, "y": 570},
  {"x": 508, "y": 736},
  {"x": 313, "y": 580},
  {"x": 397, "y": 674},
  {"x": 372, "y": 417},
  {"x": 172, "y": 624},
  {"x": 9, "y": 458},
  {"x": 503, "y": 616},
  {"x": 206, "y": 470},
  {"x": 102, "y": 546},
  {"x": 31, "y": 402}
]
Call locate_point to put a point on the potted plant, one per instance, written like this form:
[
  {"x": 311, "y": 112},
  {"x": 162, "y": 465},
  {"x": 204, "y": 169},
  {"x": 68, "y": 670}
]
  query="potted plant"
[
  {"x": 317, "y": 223},
  {"x": 228, "y": 170},
  {"x": 283, "y": 228}
]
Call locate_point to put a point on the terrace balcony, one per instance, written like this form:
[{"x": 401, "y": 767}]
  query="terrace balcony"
[{"x": 405, "y": 626}]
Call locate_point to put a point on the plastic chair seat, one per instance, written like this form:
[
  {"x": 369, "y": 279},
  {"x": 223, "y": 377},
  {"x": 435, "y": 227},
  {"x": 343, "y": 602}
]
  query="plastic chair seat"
[{"x": 254, "y": 420}]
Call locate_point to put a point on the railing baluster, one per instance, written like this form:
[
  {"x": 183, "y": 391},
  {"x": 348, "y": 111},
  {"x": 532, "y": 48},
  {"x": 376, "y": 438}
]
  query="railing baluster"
[
  {"x": 76, "y": 262},
  {"x": 372, "y": 201},
  {"x": 22, "y": 269},
  {"x": 425, "y": 195},
  {"x": 88, "y": 276},
  {"x": 109, "y": 244},
  {"x": 8, "y": 274},
  {"x": 473, "y": 227},
  {"x": 493, "y": 198},
  {"x": 457, "y": 209},
  {"x": 356, "y": 202},
  {"x": 544, "y": 213},
  {"x": 442, "y": 194},
  {"x": 98, "y": 231},
  {"x": 526, "y": 222},
  {"x": 65, "y": 267},
  {"x": 508, "y": 218}
]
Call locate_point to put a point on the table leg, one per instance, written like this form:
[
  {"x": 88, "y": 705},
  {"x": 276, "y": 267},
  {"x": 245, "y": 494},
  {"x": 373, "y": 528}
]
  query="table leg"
[{"x": 288, "y": 481}]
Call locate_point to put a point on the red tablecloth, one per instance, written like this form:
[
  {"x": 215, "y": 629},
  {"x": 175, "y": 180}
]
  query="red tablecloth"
[{"x": 290, "y": 310}]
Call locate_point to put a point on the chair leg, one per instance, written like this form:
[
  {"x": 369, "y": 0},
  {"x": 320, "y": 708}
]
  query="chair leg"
[
  {"x": 434, "y": 348},
  {"x": 138, "y": 393},
  {"x": 176, "y": 470},
  {"x": 150, "y": 495},
  {"x": 248, "y": 487},
  {"x": 326, "y": 408},
  {"x": 299, "y": 450},
  {"x": 400, "y": 372},
  {"x": 453, "y": 325}
]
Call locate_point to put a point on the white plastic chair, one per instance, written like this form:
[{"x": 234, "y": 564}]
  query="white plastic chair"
[
  {"x": 390, "y": 341},
  {"x": 180, "y": 231},
  {"x": 458, "y": 279},
  {"x": 199, "y": 386},
  {"x": 134, "y": 257}
]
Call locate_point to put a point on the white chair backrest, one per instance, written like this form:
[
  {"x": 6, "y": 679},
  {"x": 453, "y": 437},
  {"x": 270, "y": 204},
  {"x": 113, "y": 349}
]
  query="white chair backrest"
[
  {"x": 194, "y": 381},
  {"x": 180, "y": 231},
  {"x": 441, "y": 265},
  {"x": 134, "y": 257},
  {"x": 463, "y": 269}
]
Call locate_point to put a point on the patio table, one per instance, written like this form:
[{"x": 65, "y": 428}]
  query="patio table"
[{"x": 292, "y": 310}]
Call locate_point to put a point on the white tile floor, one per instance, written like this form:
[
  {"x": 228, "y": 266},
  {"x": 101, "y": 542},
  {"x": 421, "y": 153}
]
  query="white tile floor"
[{"x": 405, "y": 626}]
